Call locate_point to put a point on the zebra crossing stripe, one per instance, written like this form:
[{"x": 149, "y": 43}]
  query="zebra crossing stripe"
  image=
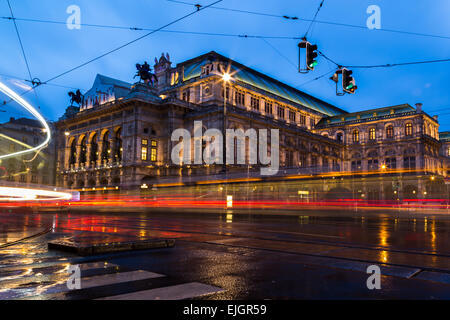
[
  {"x": 107, "y": 279},
  {"x": 176, "y": 292},
  {"x": 29, "y": 272}
]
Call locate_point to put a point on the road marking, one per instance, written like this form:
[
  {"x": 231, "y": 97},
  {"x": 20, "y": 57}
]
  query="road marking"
[
  {"x": 109, "y": 279},
  {"x": 177, "y": 292},
  {"x": 36, "y": 271},
  {"x": 434, "y": 276},
  {"x": 301, "y": 233}
]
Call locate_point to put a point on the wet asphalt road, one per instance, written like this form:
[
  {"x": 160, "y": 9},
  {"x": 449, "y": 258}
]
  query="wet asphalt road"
[{"x": 229, "y": 256}]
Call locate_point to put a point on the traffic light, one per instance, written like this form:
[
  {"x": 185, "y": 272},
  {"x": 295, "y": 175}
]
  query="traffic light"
[
  {"x": 311, "y": 55},
  {"x": 348, "y": 82}
]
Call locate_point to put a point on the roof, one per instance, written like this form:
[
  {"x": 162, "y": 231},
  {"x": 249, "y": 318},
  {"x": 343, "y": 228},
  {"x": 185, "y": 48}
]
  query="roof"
[
  {"x": 103, "y": 83},
  {"x": 444, "y": 136},
  {"x": 25, "y": 122},
  {"x": 242, "y": 73},
  {"x": 111, "y": 81},
  {"x": 366, "y": 115}
]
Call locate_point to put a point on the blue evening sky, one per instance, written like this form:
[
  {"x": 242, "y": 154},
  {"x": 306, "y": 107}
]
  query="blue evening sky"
[{"x": 52, "y": 49}]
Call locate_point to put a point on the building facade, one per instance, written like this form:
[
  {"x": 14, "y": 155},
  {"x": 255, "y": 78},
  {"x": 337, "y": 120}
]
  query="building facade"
[
  {"x": 34, "y": 168},
  {"x": 121, "y": 136}
]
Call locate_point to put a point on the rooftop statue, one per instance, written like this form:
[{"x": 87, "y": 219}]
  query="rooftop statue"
[
  {"x": 76, "y": 97},
  {"x": 145, "y": 74}
]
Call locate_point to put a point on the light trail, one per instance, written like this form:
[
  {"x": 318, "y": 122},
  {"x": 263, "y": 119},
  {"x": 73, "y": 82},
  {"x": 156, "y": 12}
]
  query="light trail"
[
  {"x": 30, "y": 194},
  {"x": 13, "y": 95}
]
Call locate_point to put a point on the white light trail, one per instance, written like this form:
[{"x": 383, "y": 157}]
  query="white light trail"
[
  {"x": 34, "y": 112},
  {"x": 29, "y": 194}
]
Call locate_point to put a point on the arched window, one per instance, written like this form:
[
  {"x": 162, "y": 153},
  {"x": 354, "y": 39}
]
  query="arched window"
[
  {"x": 340, "y": 137},
  {"x": 83, "y": 151},
  {"x": 355, "y": 136},
  {"x": 118, "y": 146},
  {"x": 389, "y": 132},
  {"x": 408, "y": 129},
  {"x": 106, "y": 149},
  {"x": 94, "y": 149},
  {"x": 73, "y": 153}
]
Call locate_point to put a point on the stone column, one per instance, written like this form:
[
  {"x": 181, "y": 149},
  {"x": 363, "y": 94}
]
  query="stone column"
[
  {"x": 112, "y": 151},
  {"x": 100, "y": 151},
  {"x": 88, "y": 155},
  {"x": 77, "y": 160}
]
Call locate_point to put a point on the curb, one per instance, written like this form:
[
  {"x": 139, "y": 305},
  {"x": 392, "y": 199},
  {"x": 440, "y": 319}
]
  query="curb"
[{"x": 89, "y": 250}]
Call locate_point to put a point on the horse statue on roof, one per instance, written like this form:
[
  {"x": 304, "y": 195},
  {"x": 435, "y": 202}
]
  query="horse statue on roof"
[
  {"x": 144, "y": 72},
  {"x": 76, "y": 97}
]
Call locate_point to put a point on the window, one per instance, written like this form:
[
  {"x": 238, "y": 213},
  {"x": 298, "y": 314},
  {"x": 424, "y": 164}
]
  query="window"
[
  {"x": 372, "y": 164},
  {"x": 390, "y": 132},
  {"x": 186, "y": 95},
  {"x": 336, "y": 166},
  {"x": 240, "y": 98},
  {"x": 372, "y": 134},
  {"x": 268, "y": 107},
  {"x": 391, "y": 163},
  {"x": 227, "y": 92},
  {"x": 409, "y": 162},
  {"x": 254, "y": 102},
  {"x": 311, "y": 122},
  {"x": 302, "y": 161},
  {"x": 408, "y": 129},
  {"x": 144, "y": 149},
  {"x": 356, "y": 165},
  {"x": 355, "y": 136},
  {"x": 448, "y": 151},
  {"x": 340, "y": 137},
  {"x": 302, "y": 120},
  {"x": 289, "y": 158},
  {"x": 291, "y": 115},
  {"x": 154, "y": 150},
  {"x": 280, "y": 112}
]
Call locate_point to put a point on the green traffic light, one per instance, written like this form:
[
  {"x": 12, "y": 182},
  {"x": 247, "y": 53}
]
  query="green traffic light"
[{"x": 313, "y": 64}]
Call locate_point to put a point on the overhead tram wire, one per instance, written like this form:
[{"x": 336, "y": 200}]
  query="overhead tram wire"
[
  {"x": 132, "y": 28},
  {"x": 318, "y": 21},
  {"x": 218, "y": 34},
  {"x": 389, "y": 65},
  {"x": 315, "y": 79},
  {"x": 120, "y": 47},
  {"x": 132, "y": 41},
  {"x": 22, "y": 48},
  {"x": 313, "y": 20},
  {"x": 279, "y": 53},
  {"x": 48, "y": 84}
]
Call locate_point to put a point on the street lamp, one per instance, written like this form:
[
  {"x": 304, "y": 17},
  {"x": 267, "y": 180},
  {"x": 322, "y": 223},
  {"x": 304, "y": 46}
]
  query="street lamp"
[
  {"x": 67, "y": 133},
  {"x": 226, "y": 77}
]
